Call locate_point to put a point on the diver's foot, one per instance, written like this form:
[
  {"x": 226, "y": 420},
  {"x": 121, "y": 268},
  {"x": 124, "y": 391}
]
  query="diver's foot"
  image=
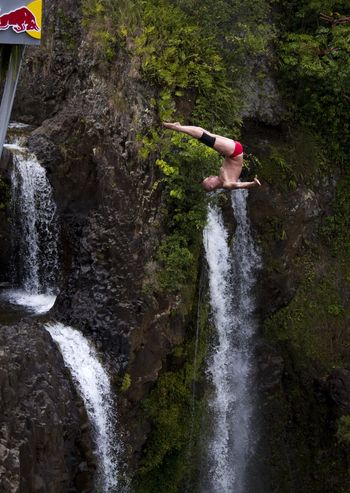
[
  {"x": 171, "y": 126},
  {"x": 258, "y": 184}
]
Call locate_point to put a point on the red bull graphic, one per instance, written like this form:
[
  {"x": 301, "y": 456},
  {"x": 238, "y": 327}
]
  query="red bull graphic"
[{"x": 21, "y": 22}]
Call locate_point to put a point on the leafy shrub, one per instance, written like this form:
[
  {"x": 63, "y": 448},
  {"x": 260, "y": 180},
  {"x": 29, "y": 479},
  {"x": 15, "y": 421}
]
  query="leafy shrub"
[
  {"x": 343, "y": 432},
  {"x": 316, "y": 74}
]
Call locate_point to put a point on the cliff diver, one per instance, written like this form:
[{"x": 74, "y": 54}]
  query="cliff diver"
[{"x": 231, "y": 150}]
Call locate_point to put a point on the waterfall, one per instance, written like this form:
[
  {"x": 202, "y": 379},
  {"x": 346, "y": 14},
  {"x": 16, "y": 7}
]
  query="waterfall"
[
  {"x": 34, "y": 230},
  {"x": 35, "y": 243},
  {"x": 34, "y": 219},
  {"x": 231, "y": 280},
  {"x": 94, "y": 386}
]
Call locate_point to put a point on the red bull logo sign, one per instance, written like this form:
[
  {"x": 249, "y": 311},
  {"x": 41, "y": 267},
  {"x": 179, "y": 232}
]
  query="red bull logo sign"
[{"x": 20, "y": 22}]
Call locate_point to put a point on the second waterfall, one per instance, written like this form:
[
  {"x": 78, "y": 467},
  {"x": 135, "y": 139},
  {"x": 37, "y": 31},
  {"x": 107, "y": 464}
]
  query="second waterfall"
[
  {"x": 232, "y": 272},
  {"x": 34, "y": 262},
  {"x": 34, "y": 221}
]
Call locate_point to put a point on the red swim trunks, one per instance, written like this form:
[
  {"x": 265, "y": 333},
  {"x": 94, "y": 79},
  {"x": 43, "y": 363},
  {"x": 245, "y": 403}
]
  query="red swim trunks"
[{"x": 238, "y": 149}]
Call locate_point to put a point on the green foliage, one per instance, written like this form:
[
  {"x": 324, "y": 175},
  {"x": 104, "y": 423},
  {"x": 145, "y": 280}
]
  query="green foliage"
[
  {"x": 177, "y": 261},
  {"x": 335, "y": 309},
  {"x": 335, "y": 230},
  {"x": 126, "y": 382},
  {"x": 184, "y": 48},
  {"x": 304, "y": 15},
  {"x": 177, "y": 54},
  {"x": 170, "y": 454},
  {"x": 67, "y": 26},
  {"x": 166, "y": 46},
  {"x": 315, "y": 73},
  {"x": 168, "y": 406},
  {"x": 314, "y": 323},
  {"x": 186, "y": 207},
  {"x": 299, "y": 160},
  {"x": 98, "y": 16},
  {"x": 343, "y": 432}
]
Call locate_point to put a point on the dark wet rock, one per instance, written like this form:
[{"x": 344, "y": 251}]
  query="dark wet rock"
[
  {"x": 5, "y": 247},
  {"x": 286, "y": 224},
  {"x": 262, "y": 98},
  {"x": 228, "y": 216},
  {"x": 338, "y": 387},
  {"x": 39, "y": 98},
  {"x": 5, "y": 225},
  {"x": 270, "y": 367},
  {"x": 41, "y": 439}
]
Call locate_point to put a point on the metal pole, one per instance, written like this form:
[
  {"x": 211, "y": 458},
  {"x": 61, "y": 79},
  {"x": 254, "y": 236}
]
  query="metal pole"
[{"x": 8, "y": 96}]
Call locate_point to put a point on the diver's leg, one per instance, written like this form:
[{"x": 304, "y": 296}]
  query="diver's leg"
[
  {"x": 222, "y": 145},
  {"x": 191, "y": 130}
]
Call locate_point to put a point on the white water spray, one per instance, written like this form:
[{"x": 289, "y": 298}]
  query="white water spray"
[
  {"x": 34, "y": 229},
  {"x": 35, "y": 236},
  {"x": 231, "y": 279},
  {"x": 95, "y": 389}
]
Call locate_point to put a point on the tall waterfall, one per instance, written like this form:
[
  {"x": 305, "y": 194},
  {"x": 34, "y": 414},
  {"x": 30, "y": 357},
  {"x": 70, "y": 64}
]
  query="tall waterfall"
[
  {"x": 94, "y": 386},
  {"x": 231, "y": 279},
  {"x": 34, "y": 230},
  {"x": 33, "y": 213},
  {"x": 35, "y": 234}
]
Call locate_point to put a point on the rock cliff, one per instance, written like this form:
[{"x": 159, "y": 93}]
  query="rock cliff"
[
  {"x": 111, "y": 224},
  {"x": 44, "y": 438},
  {"x": 303, "y": 356},
  {"x": 89, "y": 115}
]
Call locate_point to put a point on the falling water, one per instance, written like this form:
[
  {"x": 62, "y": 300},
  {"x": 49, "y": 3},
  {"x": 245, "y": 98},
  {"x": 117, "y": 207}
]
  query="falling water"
[
  {"x": 34, "y": 230},
  {"x": 95, "y": 389},
  {"x": 35, "y": 236},
  {"x": 34, "y": 219},
  {"x": 231, "y": 279}
]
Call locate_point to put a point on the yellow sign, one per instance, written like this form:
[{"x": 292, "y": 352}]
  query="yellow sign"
[{"x": 36, "y": 9}]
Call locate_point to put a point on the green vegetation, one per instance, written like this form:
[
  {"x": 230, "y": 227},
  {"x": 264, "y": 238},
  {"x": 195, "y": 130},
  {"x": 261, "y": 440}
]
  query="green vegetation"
[
  {"x": 67, "y": 26},
  {"x": 186, "y": 209},
  {"x": 170, "y": 456},
  {"x": 316, "y": 72},
  {"x": 196, "y": 60},
  {"x": 335, "y": 231},
  {"x": 284, "y": 167},
  {"x": 126, "y": 382},
  {"x": 315, "y": 322},
  {"x": 343, "y": 432}
]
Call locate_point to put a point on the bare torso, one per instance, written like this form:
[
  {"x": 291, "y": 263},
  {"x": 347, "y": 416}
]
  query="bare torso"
[{"x": 231, "y": 169}]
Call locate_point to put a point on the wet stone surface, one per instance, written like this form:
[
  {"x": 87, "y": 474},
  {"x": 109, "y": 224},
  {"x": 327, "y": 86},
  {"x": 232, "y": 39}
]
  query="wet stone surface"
[{"x": 44, "y": 437}]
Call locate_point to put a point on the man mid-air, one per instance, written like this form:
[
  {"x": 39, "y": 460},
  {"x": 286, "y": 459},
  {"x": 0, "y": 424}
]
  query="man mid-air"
[{"x": 232, "y": 151}]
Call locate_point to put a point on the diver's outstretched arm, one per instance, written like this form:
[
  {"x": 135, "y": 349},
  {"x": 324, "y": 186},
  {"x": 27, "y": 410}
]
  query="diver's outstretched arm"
[{"x": 242, "y": 184}]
